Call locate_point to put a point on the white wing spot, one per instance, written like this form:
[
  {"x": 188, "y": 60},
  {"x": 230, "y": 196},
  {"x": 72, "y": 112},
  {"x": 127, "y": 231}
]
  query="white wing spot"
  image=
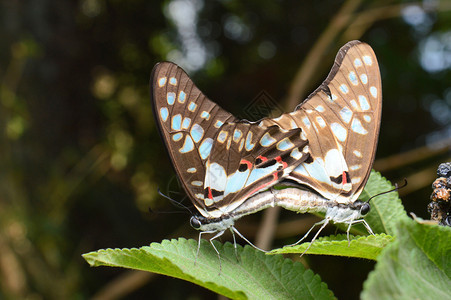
[
  {"x": 354, "y": 104},
  {"x": 188, "y": 145},
  {"x": 241, "y": 145},
  {"x": 170, "y": 98},
  {"x": 320, "y": 122},
  {"x": 222, "y": 136},
  {"x": 320, "y": 108},
  {"x": 205, "y": 148},
  {"x": 367, "y": 60},
  {"x": 249, "y": 144},
  {"x": 357, "y": 62},
  {"x": 197, "y": 132},
  {"x": 197, "y": 183},
  {"x": 353, "y": 78},
  {"x": 332, "y": 162},
  {"x": 296, "y": 154},
  {"x": 162, "y": 81},
  {"x": 208, "y": 201},
  {"x": 176, "y": 123},
  {"x": 186, "y": 122},
  {"x": 355, "y": 167},
  {"x": 367, "y": 118},
  {"x": 346, "y": 114},
  {"x": 284, "y": 144},
  {"x": 177, "y": 136},
  {"x": 164, "y": 113},
  {"x": 357, "y": 127},
  {"x": 205, "y": 115},
  {"x": 355, "y": 180},
  {"x": 267, "y": 140},
  {"x": 339, "y": 131},
  {"x": 192, "y": 106},
  {"x": 364, "y": 78},
  {"x": 237, "y": 135},
  {"x": 364, "y": 104},
  {"x": 173, "y": 81},
  {"x": 191, "y": 170},
  {"x": 373, "y": 91},
  {"x": 182, "y": 97},
  {"x": 306, "y": 121},
  {"x": 357, "y": 153},
  {"x": 344, "y": 88}
]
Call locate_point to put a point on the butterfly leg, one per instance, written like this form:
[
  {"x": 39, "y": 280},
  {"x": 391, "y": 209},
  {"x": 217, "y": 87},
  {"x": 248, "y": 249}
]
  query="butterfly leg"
[
  {"x": 237, "y": 232},
  {"x": 219, "y": 256},
  {"x": 355, "y": 222},
  {"x": 347, "y": 232},
  {"x": 325, "y": 221},
  {"x": 234, "y": 243},
  {"x": 198, "y": 243},
  {"x": 367, "y": 226},
  {"x": 308, "y": 232}
]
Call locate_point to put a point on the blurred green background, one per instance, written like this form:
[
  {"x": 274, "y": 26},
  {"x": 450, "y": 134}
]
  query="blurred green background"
[{"x": 81, "y": 160}]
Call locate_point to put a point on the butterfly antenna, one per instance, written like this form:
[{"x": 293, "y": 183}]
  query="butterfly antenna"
[
  {"x": 151, "y": 211},
  {"x": 392, "y": 190},
  {"x": 175, "y": 202}
]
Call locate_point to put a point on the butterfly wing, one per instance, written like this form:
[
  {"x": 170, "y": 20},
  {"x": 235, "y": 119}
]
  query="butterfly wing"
[
  {"x": 341, "y": 120},
  {"x": 220, "y": 161},
  {"x": 187, "y": 121},
  {"x": 247, "y": 159}
]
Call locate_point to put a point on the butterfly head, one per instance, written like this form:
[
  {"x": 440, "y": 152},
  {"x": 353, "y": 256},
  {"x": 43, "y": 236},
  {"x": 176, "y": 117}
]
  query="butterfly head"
[
  {"x": 348, "y": 213},
  {"x": 202, "y": 223},
  {"x": 363, "y": 207}
]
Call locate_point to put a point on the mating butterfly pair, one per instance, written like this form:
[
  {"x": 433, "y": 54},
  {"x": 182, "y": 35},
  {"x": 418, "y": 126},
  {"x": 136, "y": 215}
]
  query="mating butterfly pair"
[{"x": 323, "y": 150}]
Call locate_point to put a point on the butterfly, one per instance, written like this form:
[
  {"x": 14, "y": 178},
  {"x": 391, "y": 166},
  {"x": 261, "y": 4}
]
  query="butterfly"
[
  {"x": 341, "y": 120},
  {"x": 227, "y": 166},
  {"x": 221, "y": 161}
]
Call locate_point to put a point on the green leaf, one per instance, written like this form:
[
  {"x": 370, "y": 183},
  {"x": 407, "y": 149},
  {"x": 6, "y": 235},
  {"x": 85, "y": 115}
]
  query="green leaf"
[
  {"x": 416, "y": 266},
  {"x": 368, "y": 247},
  {"x": 253, "y": 276}
]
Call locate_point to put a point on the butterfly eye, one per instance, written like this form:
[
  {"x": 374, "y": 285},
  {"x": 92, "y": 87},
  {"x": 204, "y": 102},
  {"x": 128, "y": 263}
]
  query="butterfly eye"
[
  {"x": 365, "y": 208},
  {"x": 195, "y": 223}
]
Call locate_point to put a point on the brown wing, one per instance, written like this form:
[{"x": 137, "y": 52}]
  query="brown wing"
[
  {"x": 188, "y": 121},
  {"x": 341, "y": 120},
  {"x": 220, "y": 161}
]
